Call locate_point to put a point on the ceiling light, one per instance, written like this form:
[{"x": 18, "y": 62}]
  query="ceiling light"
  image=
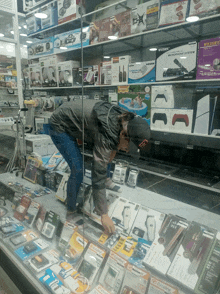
[
  {"x": 153, "y": 49},
  {"x": 1, "y": 47},
  {"x": 1, "y": 35},
  {"x": 183, "y": 57},
  {"x": 63, "y": 48},
  {"x": 138, "y": 62},
  {"x": 85, "y": 29},
  {"x": 24, "y": 45},
  {"x": 19, "y": 27},
  {"x": 106, "y": 57},
  {"x": 23, "y": 35},
  {"x": 207, "y": 65},
  {"x": 12, "y": 32},
  {"x": 29, "y": 42},
  {"x": 25, "y": 26},
  {"x": 112, "y": 37},
  {"x": 40, "y": 15},
  {"x": 192, "y": 18}
]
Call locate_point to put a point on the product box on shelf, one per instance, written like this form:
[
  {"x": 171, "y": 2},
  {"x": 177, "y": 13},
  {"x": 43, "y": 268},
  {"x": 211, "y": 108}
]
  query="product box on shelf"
[
  {"x": 173, "y": 12},
  {"x": 33, "y": 23},
  {"x": 113, "y": 273},
  {"x": 181, "y": 120},
  {"x": 30, "y": 4},
  {"x": 162, "y": 97},
  {"x": 99, "y": 31},
  {"x": 90, "y": 74},
  {"x": 141, "y": 72},
  {"x": 31, "y": 248},
  {"x": 176, "y": 62},
  {"x": 23, "y": 237},
  {"x": 40, "y": 48},
  {"x": 192, "y": 255},
  {"x": 35, "y": 75},
  {"x": 71, "y": 40},
  {"x": 208, "y": 65},
  {"x": 120, "y": 24},
  {"x": 69, "y": 10},
  {"x": 66, "y": 70},
  {"x": 166, "y": 244},
  {"x": 99, "y": 290},
  {"x": 43, "y": 260},
  {"x": 66, "y": 234},
  {"x": 22, "y": 208},
  {"x": 50, "y": 10},
  {"x": 10, "y": 226},
  {"x": 49, "y": 71},
  {"x": 204, "y": 8},
  {"x": 160, "y": 119},
  {"x": 40, "y": 218},
  {"x": 159, "y": 286},
  {"x": 120, "y": 69},
  {"x": 61, "y": 193},
  {"x": 105, "y": 73},
  {"x": 51, "y": 281},
  {"x": 51, "y": 223},
  {"x": 32, "y": 212}
]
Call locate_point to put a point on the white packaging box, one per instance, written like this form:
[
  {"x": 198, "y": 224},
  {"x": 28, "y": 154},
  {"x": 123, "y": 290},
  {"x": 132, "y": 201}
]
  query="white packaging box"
[
  {"x": 40, "y": 48},
  {"x": 173, "y": 12},
  {"x": 33, "y": 23},
  {"x": 35, "y": 77},
  {"x": 71, "y": 40},
  {"x": 162, "y": 97},
  {"x": 40, "y": 144},
  {"x": 204, "y": 7},
  {"x": 30, "y": 4},
  {"x": 124, "y": 215},
  {"x": 65, "y": 72},
  {"x": 49, "y": 71},
  {"x": 142, "y": 72},
  {"x": 138, "y": 18},
  {"x": 52, "y": 256},
  {"x": 160, "y": 119},
  {"x": 181, "y": 120},
  {"x": 68, "y": 10},
  {"x": 105, "y": 73},
  {"x": 120, "y": 70},
  {"x": 50, "y": 10}
]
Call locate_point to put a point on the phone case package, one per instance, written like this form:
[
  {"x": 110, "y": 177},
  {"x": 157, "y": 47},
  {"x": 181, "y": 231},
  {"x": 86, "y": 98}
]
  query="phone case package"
[
  {"x": 192, "y": 255},
  {"x": 166, "y": 243},
  {"x": 113, "y": 273},
  {"x": 44, "y": 260},
  {"x": 40, "y": 218},
  {"x": 31, "y": 248}
]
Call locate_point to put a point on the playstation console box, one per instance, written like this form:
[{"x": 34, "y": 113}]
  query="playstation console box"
[
  {"x": 35, "y": 75},
  {"x": 173, "y": 12},
  {"x": 69, "y": 10},
  {"x": 142, "y": 72},
  {"x": 40, "y": 48},
  {"x": 204, "y": 8},
  {"x": 66, "y": 72},
  {"x": 71, "y": 40},
  {"x": 176, "y": 62},
  {"x": 162, "y": 97},
  {"x": 120, "y": 70},
  {"x": 208, "y": 66},
  {"x": 192, "y": 255},
  {"x": 181, "y": 120},
  {"x": 50, "y": 10}
]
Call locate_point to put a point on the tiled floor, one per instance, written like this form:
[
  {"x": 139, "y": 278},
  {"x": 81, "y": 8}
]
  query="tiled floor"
[{"x": 6, "y": 284}]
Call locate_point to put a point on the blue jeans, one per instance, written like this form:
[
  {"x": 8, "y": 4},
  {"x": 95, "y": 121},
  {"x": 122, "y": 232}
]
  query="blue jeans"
[{"x": 69, "y": 149}]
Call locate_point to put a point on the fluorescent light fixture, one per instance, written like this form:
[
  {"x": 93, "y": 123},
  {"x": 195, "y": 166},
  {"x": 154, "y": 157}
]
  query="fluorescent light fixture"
[
  {"x": 19, "y": 27},
  {"x": 29, "y": 42},
  {"x": 192, "y": 18},
  {"x": 153, "y": 49},
  {"x": 1, "y": 35},
  {"x": 85, "y": 29},
  {"x": 24, "y": 45},
  {"x": 112, "y": 37},
  {"x": 23, "y": 35},
  {"x": 183, "y": 57},
  {"x": 12, "y": 32},
  {"x": 1, "y": 47},
  {"x": 165, "y": 68},
  {"x": 106, "y": 57},
  {"x": 138, "y": 62},
  {"x": 63, "y": 48},
  {"x": 207, "y": 65},
  {"x": 40, "y": 15},
  {"x": 25, "y": 26}
]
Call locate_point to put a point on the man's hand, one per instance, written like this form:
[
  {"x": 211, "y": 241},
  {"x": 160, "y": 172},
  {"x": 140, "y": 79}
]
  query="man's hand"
[{"x": 107, "y": 224}]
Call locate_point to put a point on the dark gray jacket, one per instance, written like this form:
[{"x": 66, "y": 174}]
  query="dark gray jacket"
[{"x": 101, "y": 127}]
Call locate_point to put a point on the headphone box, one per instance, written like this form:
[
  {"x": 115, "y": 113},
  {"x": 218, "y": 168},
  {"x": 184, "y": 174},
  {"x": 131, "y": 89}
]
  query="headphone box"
[{"x": 70, "y": 9}]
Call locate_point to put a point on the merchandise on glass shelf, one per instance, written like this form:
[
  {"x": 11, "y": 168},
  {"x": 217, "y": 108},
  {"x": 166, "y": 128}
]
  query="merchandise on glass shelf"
[
  {"x": 23, "y": 237},
  {"x": 50, "y": 224},
  {"x": 40, "y": 48},
  {"x": 30, "y": 172},
  {"x": 113, "y": 273},
  {"x": 66, "y": 234},
  {"x": 181, "y": 120},
  {"x": 31, "y": 248},
  {"x": 22, "y": 208},
  {"x": 70, "y": 9},
  {"x": 10, "y": 226},
  {"x": 50, "y": 10},
  {"x": 32, "y": 212},
  {"x": 135, "y": 281},
  {"x": 204, "y": 8},
  {"x": 61, "y": 193},
  {"x": 166, "y": 243},
  {"x": 105, "y": 73},
  {"x": 90, "y": 74},
  {"x": 141, "y": 72},
  {"x": 35, "y": 75},
  {"x": 173, "y": 12},
  {"x": 208, "y": 66},
  {"x": 161, "y": 287},
  {"x": 33, "y": 23},
  {"x": 120, "y": 70},
  {"x": 99, "y": 290},
  {"x": 120, "y": 171},
  {"x": 192, "y": 255},
  {"x": 120, "y": 24},
  {"x": 40, "y": 218},
  {"x": 54, "y": 160},
  {"x": 30, "y": 4},
  {"x": 66, "y": 70},
  {"x": 43, "y": 260},
  {"x": 132, "y": 177},
  {"x": 176, "y": 62},
  {"x": 99, "y": 31},
  {"x": 160, "y": 119},
  {"x": 49, "y": 71}
]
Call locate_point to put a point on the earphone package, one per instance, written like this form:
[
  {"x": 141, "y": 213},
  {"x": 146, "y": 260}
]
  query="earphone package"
[
  {"x": 142, "y": 72},
  {"x": 65, "y": 73},
  {"x": 70, "y": 9}
]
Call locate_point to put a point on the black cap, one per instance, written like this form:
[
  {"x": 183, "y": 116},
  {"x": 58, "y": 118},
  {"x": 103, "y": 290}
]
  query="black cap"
[{"x": 139, "y": 131}]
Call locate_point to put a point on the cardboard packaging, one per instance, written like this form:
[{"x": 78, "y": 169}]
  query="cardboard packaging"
[
  {"x": 50, "y": 10},
  {"x": 105, "y": 73},
  {"x": 208, "y": 66},
  {"x": 65, "y": 73},
  {"x": 162, "y": 97},
  {"x": 38, "y": 145},
  {"x": 23, "y": 237},
  {"x": 142, "y": 72},
  {"x": 173, "y": 12},
  {"x": 32, "y": 212},
  {"x": 191, "y": 257},
  {"x": 69, "y": 10},
  {"x": 153, "y": 9},
  {"x": 160, "y": 287},
  {"x": 204, "y": 8},
  {"x": 49, "y": 71},
  {"x": 33, "y": 23},
  {"x": 22, "y": 208},
  {"x": 181, "y": 120},
  {"x": 35, "y": 76},
  {"x": 71, "y": 40},
  {"x": 90, "y": 75},
  {"x": 176, "y": 62},
  {"x": 160, "y": 119},
  {"x": 31, "y": 248},
  {"x": 44, "y": 260},
  {"x": 40, "y": 48},
  {"x": 166, "y": 244},
  {"x": 120, "y": 24},
  {"x": 50, "y": 224},
  {"x": 120, "y": 70}
]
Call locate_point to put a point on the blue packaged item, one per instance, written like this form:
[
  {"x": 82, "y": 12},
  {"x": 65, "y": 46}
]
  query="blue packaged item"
[
  {"x": 142, "y": 72},
  {"x": 31, "y": 248},
  {"x": 50, "y": 10},
  {"x": 41, "y": 48}
]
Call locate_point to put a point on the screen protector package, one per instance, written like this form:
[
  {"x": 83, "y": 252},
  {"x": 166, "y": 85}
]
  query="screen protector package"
[
  {"x": 23, "y": 237},
  {"x": 166, "y": 243},
  {"x": 135, "y": 281},
  {"x": 91, "y": 262},
  {"x": 31, "y": 248},
  {"x": 43, "y": 260},
  {"x": 113, "y": 273},
  {"x": 192, "y": 255}
]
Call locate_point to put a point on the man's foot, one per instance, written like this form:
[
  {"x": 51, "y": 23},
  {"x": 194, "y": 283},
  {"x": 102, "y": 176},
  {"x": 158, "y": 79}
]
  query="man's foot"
[{"x": 112, "y": 186}]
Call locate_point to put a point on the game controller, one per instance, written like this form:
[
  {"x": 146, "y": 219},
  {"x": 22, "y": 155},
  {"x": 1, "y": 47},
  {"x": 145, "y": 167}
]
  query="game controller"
[
  {"x": 160, "y": 116},
  {"x": 160, "y": 96},
  {"x": 180, "y": 118}
]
